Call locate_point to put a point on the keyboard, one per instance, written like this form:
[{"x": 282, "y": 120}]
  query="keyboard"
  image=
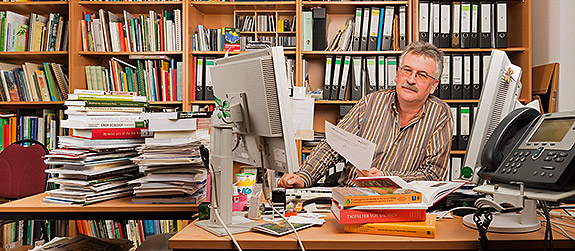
[{"x": 307, "y": 193}]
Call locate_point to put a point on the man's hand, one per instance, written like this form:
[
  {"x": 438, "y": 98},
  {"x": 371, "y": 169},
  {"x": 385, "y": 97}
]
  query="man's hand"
[
  {"x": 290, "y": 180},
  {"x": 369, "y": 173}
]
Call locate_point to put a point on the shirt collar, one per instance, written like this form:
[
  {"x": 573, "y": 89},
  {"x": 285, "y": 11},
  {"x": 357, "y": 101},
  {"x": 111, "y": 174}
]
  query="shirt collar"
[{"x": 421, "y": 112}]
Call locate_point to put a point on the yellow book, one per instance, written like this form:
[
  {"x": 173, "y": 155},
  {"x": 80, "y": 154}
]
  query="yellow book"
[{"x": 411, "y": 228}]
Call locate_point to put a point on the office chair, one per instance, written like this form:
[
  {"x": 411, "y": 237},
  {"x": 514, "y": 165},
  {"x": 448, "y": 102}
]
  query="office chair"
[{"x": 22, "y": 169}]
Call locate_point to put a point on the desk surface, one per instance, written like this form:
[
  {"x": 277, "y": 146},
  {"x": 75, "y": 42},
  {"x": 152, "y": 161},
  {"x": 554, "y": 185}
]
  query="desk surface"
[
  {"x": 451, "y": 234},
  {"x": 33, "y": 208}
]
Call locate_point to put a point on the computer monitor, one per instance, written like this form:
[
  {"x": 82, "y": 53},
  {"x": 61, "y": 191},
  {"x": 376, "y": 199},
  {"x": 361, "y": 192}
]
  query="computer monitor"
[
  {"x": 253, "y": 90},
  {"x": 500, "y": 93}
]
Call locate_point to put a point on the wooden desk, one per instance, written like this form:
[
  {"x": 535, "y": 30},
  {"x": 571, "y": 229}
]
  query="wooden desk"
[
  {"x": 118, "y": 209},
  {"x": 451, "y": 234}
]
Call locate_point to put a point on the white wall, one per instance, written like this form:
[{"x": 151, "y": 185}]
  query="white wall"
[{"x": 554, "y": 41}]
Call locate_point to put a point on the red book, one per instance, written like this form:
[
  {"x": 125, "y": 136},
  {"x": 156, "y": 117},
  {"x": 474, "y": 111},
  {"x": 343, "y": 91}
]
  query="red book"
[
  {"x": 360, "y": 216},
  {"x": 108, "y": 133},
  {"x": 194, "y": 77}
]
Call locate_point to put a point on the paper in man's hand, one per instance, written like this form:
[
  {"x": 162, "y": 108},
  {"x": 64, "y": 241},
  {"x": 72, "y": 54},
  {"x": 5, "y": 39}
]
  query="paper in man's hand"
[{"x": 353, "y": 148}]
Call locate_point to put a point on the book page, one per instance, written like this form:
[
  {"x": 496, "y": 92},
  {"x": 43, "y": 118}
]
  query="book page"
[{"x": 434, "y": 191}]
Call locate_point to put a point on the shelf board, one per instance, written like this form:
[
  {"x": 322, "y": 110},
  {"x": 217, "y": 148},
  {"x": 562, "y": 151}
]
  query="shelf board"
[
  {"x": 289, "y": 52},
  {"x": 347, "y": 7},
  {"x": 130, "y": 2},
  {"x": 462, "y": 152},
  {"x": 202, "y": 102},
  {"x": 511, "y": 49},
  {"x": 40, "y": 7},
  {"x": 165, "y": 102},
  {"x": 460, "y": 101},
  {"x": 359, "y": 53},
  {"x": 229, "y": 7},
  {"x": 34, "y": 55},
  {"x": 336, "y": 102},
  {"x": 30, "y": 103},
  {"x": 107, "y": 53}
]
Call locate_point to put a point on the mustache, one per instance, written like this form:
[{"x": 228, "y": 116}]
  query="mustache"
[{"x": 408, "y": 86}]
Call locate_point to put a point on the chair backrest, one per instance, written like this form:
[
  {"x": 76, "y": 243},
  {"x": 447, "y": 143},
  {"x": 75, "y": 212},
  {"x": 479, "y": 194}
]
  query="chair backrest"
[{"x": 22, "y": 169}]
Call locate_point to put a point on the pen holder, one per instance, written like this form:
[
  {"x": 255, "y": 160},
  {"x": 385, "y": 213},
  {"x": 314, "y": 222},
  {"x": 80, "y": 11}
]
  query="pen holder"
[{"x": 239, "y": 202}]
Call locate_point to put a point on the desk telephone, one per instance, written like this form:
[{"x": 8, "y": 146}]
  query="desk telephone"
[{"x": 536, "y": 149}]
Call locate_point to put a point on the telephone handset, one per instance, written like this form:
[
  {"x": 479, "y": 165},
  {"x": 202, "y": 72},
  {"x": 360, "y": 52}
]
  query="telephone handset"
[{"x": 535, "y": 149}]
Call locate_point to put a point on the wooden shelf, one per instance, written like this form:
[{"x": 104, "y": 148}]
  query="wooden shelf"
[
  {"x": 40, "y": 7},
  {"x": 323, "y": 53},
  {"x": 228, "y": 7},
  {"x": 107, "y": 53},
  {"x": 459, "y": 152},
  {"x": 30, "y": 103},
  {"x": 217, "y": 53},
  {"x": 347, "y": 7},
  {"x": 512, "y": 49}
]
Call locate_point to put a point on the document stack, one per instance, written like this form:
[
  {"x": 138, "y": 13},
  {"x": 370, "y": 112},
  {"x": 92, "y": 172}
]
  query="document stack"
[
  {"x": 389, "y": 205},
  {"x": 171, "y": 161},
  {"x": 95, "y": 160}
]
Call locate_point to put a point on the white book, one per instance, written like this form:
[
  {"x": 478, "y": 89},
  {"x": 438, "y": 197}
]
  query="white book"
[
  {"x": 86, "y": 124},
  {"x": 90, "y": 117},
  {"x": 156, "y": 125}
]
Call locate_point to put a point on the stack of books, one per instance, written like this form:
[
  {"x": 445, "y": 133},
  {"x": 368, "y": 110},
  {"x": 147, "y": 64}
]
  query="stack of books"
[
  {"x": 171, "y": 161},
  {"x": 389, "y": 205},
  {"x": 95, "y": 160}
]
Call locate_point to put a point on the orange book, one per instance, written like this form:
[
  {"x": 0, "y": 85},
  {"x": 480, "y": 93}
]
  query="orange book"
[{"x": 411, "y": 228}]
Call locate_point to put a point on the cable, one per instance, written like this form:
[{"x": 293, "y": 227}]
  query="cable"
[
  {"x": 453, "y": 209},
  {"x": 557, "y": 223},
  {"x": 548, "y": 230},
  {"x": 291, "y": 225}
]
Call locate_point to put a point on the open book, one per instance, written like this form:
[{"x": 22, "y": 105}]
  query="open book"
[{"x": 431, "y": 191}]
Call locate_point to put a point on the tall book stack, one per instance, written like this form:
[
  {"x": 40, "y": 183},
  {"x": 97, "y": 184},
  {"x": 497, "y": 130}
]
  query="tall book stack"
[
  {"x": 388, "y": 205},
  {"x": 95, "y": 160},
  {"x": 171, "y": 161}
]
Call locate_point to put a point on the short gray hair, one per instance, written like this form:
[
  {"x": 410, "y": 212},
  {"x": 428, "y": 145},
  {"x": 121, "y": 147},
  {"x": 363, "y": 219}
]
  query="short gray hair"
[{"x": 428, "y": 50}]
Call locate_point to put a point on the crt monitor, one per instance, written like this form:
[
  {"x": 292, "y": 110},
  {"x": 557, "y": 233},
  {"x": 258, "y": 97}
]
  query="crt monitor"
[
  {"x": 260, "y": 77},
  {"x": 501, "y": 90}
]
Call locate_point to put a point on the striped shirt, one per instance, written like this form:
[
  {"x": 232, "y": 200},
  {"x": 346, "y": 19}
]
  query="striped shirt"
[{"x": 418, "y": 151}]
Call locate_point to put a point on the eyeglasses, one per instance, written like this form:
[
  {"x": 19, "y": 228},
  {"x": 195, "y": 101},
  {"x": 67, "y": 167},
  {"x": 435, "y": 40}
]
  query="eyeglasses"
[{"x": 419, "y": 76}]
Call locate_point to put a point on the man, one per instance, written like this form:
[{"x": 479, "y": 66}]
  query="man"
[{"x": 411, "y": 129}]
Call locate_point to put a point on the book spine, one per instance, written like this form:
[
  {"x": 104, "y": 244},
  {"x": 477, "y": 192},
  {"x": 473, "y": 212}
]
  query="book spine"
[
  {"x": 101, "y": 124},
  {"x": 117, "y": 133},
  {"x": 384, "y": 199},
  {"x": 110, "y": 108},
  {"x": 351, "y": 216},
  {"x": 107, "y": 97},
  {"x": 391, "y": 229}
]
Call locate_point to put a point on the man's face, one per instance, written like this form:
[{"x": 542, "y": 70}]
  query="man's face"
[{"x": 414, "y": 78}]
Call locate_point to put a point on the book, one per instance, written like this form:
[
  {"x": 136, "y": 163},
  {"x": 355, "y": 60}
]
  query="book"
[
  {"x": 86, "y": 124},
  {"x": 280, "y": 228},
  {"x": 359, "y": 216},
  {"x": 231, "y": 39},
  {"x": 195, "y": 199},
  {"x": 388, "y": 193},
  {"x": 109, "y": 133},
  {"x": 411, "y": 228},
  {"x": 103, "y": 103},
  {"x": 82, "y": 96}
]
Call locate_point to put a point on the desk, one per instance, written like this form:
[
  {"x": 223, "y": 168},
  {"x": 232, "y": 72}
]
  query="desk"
[
  {"x": 451, "y": 234},
  {"x": 118, "y": 209}
]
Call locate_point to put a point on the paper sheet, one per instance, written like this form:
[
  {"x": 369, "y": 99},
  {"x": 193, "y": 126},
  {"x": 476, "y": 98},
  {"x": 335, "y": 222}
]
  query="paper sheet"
[
  {"x": 302, "y": 110},
  {"x": 353, "y": 148}
]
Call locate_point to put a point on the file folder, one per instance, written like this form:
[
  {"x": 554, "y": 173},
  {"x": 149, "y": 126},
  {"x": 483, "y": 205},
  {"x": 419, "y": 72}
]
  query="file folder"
[
  {"x": 445, "y": 81},
  {"x": 474, "y": 25},
  {"x": 457, "y": 76},
  {"x": 501, "y": 23},
  {"x": 356, "y": 80},
  {"x": 319, "y": 28},
  {"x": 387, "y": 28},
  {"x": 380, "y": 28},
  {"x": 485, "y": 24},
  {"x": 307, "y": 30},
  {"x": 486, "y": 61},
  {"x": 200, "y": 78},
  {"x": 373, "y": 29},
  {"x": 357, "y": 29},
  {"x": 477, "y": 76},
  {"x": 365, "y": 29},
  {"x": 424, "y": 21},
  {"x": 402, "y": 27},
  {"x": 328, "y": 77},
  {"x": 465, "y": 41},
  {"x": 465, "y": 126},
  {"x": 455, "y": 132},
  {"x": 371, "y": 80},
  {"x": 456, "y": 168},
  {"x": 381, "y": 83},
  {"x": 336, "y": 78},
  {"x": 344, "y": 78},
  {"x": 391, "y": 71},
  {"x": 456, "y": 25},
  {"x": 436, "y": 26},
  {"x": 467, "y": 76},
  {"x": 445, "y": 22},
  {"x": 209, "y": 87}
]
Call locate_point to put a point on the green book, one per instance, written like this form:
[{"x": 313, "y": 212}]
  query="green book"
[{"x": 52, "y": 84}]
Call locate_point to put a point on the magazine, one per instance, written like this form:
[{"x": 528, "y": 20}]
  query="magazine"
[{"x": 280, "y": 228}]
